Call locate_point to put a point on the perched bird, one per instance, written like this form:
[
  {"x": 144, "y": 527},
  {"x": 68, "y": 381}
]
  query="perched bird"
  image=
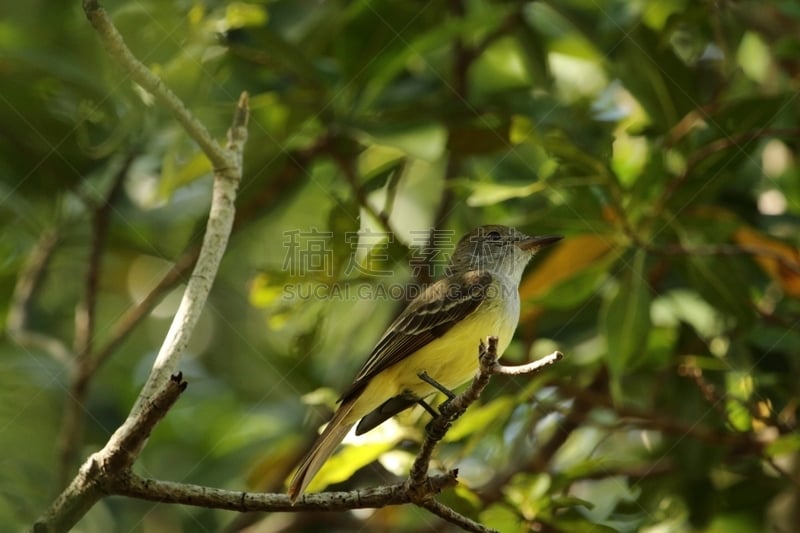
[{"x": 437, "y": 334}]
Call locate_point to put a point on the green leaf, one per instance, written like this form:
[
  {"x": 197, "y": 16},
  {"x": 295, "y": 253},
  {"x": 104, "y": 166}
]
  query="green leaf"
[
  {"x": 479, "y": 418},
  {"x": 383, "y": 174},
  {"x": 501, "y": 67},
  {"x": 719, "y": 281},
  {"x": 392, "y": 64},
  {"x": 485, "y": 193},
  {"x": 626, "y": 320},
  {"x": 659, "y": 80},
  {"x": 502, "y": 518},
  {"x": 425, "y": 141},
  {"x": 784, "y": 445},
  {"x": 347, "y": 462},
  {"x": 175, "y": 176},
  {"x": 754, "y": 57}
]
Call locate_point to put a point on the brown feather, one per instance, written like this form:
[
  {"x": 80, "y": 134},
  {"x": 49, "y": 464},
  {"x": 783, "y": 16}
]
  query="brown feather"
[
  {"x": 324, "y": 446},
  {"x": 428, "y": 317}
]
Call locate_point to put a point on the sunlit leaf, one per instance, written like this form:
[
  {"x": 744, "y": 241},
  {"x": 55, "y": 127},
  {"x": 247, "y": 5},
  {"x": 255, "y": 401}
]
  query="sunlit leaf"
[
  {"x": 494, "y": 193},
  {"x": 480, "y": 417},
  {"x": 425, "y": 141},
  {"x": 502, "y": 518},
  {"x": 241, "y": 15},
  {"x": 346, "y": 462},
  {"x": 754, "y": 57},
  {"x": 501, "y": 67}
]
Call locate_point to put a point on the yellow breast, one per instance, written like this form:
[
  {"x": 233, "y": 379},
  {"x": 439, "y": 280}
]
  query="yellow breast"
[{"x": 450, "y": 360}]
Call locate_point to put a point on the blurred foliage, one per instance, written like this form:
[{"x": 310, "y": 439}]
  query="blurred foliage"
[{"x": 660, "y": 138}]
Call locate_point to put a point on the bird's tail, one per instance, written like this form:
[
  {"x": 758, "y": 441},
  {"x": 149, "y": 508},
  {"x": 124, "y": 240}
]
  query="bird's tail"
[{"x": 326, "y": 443}]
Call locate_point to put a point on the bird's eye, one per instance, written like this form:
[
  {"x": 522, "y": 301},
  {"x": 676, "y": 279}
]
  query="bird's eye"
[{"x": 493, "y": 236}]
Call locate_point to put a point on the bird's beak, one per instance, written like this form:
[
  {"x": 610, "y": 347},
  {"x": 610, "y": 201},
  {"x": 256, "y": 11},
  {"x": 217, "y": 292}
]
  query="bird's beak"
[{"x": 534, "y": 244}]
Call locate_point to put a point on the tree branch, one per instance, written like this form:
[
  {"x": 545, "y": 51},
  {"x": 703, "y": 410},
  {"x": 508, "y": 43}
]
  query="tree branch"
[
  {"x": 448, "y": 514},
  {"x": 215, "y": 240},
  {"x": 88, "y": 486},
  {"x": 136, "y": 313},
  {"x": 297, "y": 161},
  {"x": 739, "y": 141},
  {"x": 346, "y": 165},
  {"x": 213, "y": 498},
  {"x": 127, "y": 441},
  {"x": 109, "y": 470}
]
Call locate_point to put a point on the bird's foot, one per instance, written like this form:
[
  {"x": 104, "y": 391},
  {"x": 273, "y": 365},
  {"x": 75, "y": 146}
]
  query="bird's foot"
[{"x": 435, "y": 384}]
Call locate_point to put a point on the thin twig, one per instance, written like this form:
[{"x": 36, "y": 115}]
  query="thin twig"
[
  {"x": 465, "y": 523},
  {"x": 28, "y": 282},
  {"x": 727, "y": 250},
  {"x": 297, "y": 162},
  {"x": 450, "y": 410},
  {"x": 345, "y": 163},
  {"x": 135, "y": 314},
  {"x": 71, "y": 433},
  {"x": 783, "y": 472},
  {"x": 116, "y": 47},
  {"x": 85, "y": 312},
  {"x": 733, "y": 141},
  {"x": 529, "y": 368}
]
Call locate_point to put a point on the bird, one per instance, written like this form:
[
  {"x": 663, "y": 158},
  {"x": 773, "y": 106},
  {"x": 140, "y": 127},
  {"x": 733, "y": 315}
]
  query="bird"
[{"x": 433, "y": 343}]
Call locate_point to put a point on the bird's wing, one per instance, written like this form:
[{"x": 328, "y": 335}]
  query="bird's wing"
[{"x": 427, "y": 317}]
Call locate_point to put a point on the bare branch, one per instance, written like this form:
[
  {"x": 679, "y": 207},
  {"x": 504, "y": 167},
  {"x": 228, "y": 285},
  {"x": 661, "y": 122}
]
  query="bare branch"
[
  {"x": 213, "y": 498},
  {"x": 130, "y": 444},
  {"x": 297, "y": 161},
  {"x": 529, "y": 368},
  {"x": 87, "y": 487},
  {"x": 215, "y": 240},
  {"x": 127, "y": 441},
  {"x": 109, "y": 470}
]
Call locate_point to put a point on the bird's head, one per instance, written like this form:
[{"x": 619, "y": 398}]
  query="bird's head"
[{"x": 498, "y": 249}]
